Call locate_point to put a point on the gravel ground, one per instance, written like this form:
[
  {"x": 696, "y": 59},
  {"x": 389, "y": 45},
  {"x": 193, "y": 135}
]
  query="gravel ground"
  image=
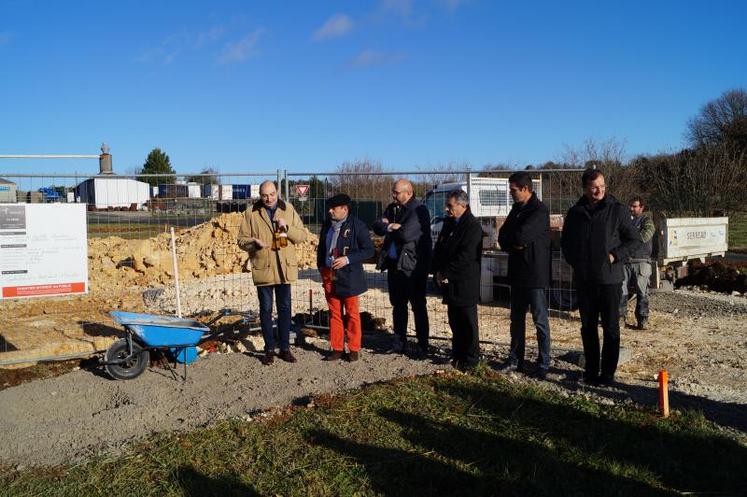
[
  {"x": 699, "y": 337},
  {"x": 70, "y": 417}
]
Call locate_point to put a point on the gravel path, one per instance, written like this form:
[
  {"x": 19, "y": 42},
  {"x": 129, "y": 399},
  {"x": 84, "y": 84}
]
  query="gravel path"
[{"x": 73, "y": 416}]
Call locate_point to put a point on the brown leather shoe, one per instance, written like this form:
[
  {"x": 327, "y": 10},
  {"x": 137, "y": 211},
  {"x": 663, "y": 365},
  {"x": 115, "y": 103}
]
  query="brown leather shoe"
[
  {"x": 336, "y": 355},
  {"x": 268, "y": 358},
  {"x": 353, "y": 356},
  {"x": 286, "y": 356}
]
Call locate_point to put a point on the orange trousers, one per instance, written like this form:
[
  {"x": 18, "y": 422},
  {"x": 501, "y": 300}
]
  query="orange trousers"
[{"x": 352, "y": 316}]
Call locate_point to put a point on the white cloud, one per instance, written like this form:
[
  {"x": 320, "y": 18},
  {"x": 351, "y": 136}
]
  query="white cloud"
[
  {"x": 376, "y": 58},
  {"x": 401, "y": 8},
  {"x": 210, "y": 36},
  {"x": 166, "y": 51},
  {"x": 336, "y": 26},
  {"x": 242, "y": 50}
]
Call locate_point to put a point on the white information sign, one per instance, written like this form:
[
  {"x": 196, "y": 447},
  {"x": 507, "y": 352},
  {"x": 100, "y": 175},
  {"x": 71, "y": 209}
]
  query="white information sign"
[{"x": 43, "y": 250}]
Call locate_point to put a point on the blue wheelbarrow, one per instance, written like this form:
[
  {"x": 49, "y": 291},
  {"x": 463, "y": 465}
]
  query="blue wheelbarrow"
[{"x": 128, "y": 357}]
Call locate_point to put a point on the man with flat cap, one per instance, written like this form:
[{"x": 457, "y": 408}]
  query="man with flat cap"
[
  {"x": 406, "y": 257},
  {"x": 344, "y": 243}
]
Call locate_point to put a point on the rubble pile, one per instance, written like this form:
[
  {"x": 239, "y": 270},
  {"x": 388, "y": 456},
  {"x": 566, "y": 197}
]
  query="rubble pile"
[{"x": 208, "y": 249}]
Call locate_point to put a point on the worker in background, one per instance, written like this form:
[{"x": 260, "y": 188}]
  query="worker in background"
[
  {"x": 344, "y": 243},
  {"x": 406, "y": 257},
  {"x": 269, "y": 232},
  {"x": 525, "y": 235},
  {"x": 456, "y": 265},
  {"x": 638, "y": 265},
  {"x": 597, "y": 239}
]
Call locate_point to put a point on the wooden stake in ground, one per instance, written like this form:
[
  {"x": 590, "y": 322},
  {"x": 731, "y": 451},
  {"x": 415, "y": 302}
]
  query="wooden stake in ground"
[
  {"x": 176, "y": 274},
  {"x": 664, "y": 393}
]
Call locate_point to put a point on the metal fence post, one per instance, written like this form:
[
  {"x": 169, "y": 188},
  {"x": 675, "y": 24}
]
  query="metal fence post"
[{"x": 287, "y": 186}]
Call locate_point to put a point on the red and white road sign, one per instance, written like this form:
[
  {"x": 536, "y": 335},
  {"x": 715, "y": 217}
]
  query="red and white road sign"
[{"x": 302, "y": 191}]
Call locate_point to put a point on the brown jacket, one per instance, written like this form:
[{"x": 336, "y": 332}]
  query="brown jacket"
[{"x": 271, "y": 267}]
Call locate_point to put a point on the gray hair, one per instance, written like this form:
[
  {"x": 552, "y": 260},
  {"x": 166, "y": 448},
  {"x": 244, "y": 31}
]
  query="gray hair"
[{"x": 459, "y": 195}]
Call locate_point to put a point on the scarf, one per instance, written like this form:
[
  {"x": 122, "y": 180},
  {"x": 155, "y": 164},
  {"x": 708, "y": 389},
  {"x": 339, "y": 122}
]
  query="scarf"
[{"x": 332, "y": 235}]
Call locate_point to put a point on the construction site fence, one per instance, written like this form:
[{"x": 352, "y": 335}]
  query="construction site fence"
[{"x": 133, "y": 208}]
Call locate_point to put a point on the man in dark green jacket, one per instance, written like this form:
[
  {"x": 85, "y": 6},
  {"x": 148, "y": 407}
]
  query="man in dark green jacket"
[{"x": 638, "y": 266}]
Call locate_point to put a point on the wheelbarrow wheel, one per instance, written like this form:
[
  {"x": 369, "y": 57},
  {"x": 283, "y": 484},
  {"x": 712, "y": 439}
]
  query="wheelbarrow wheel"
[{"x": 129, "y": 367}]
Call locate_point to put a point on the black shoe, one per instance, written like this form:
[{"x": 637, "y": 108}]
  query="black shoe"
[
  {"x": 607, "y": 380},
  {"x": 268, "y": 358},
  {"x": 336, "y": 355},
  {"x": 286, "y": 356},
  {"x": 511, "y": 367},
  {"x": 420, "y": 353},
  {"x": 592, "y": 381},
  {"x": 353, "y": 356},
  {"x": 539, "y": 374}
]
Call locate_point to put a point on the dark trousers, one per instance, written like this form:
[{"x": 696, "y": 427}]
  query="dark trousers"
[
  {"x": 523, "y": 299},
  {"x": 595, "y": 301},
  {"x": 465, "y": 338},
  {"x": 404, "y": 289},
  {"x": 283, "y": 304}
]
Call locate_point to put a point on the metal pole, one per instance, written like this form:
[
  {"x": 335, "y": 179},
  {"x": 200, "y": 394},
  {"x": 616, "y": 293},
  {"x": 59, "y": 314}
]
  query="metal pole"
[
  {"x": 48, "y": 156},
  {"x": 279, "y": 182},
  {"x": 287, "y": 186}
]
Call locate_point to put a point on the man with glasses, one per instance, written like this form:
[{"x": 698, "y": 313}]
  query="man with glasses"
[
  {"x": 597, "y": 238},
  {"x": 406, "y": 257}
]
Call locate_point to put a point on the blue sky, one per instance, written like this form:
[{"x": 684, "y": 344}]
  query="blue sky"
[{"x": 256, "y": 86}]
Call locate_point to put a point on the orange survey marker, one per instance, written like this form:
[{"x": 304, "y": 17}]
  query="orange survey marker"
[{"x": 664, "y": 393}]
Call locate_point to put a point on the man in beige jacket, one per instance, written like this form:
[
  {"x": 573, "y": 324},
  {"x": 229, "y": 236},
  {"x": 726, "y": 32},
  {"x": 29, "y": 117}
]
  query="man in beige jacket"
[{"x": 269, "y": 232}]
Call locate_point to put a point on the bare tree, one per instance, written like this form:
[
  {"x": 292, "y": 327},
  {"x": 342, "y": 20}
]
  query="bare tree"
[
  {"x": 695, "y": 182},
  {"x": 723, "y": 120},
  {"x": 609, "y": 157},
  {"x": 362, "y": 180}
]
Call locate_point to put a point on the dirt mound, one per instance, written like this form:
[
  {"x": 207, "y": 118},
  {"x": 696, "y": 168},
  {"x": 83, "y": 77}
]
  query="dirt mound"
[
  {"x": 208, "y": 249},
  {"x": 717, "y": 276}
]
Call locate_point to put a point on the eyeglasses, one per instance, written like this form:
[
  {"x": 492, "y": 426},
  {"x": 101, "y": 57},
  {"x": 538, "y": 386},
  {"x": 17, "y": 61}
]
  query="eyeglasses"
[{"x": 398, "y": 192}]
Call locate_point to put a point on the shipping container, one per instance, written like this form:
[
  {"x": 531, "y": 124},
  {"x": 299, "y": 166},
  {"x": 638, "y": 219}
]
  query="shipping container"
[
  {"x": 225, "y": 192},
  {"x": 194, "y": 190},
  {"x": 172, "y": 191},
  {"x": 211, "y": 191},
  {"x": 241, "y": 192}
]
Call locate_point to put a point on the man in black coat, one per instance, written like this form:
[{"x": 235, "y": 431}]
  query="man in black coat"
[
  {"x": 344, "y": 243},
  {"x": 456, "y": 265},
  {"x": 597, "y": 238},
  {"x": 406, "y": 256},
  {"x": 525, "y": 235}
]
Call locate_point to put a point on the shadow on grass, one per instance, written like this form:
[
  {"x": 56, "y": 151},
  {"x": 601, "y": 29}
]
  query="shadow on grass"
[
  {"x": 196, "y": 484},
  {"x": 503, "y": 443}
]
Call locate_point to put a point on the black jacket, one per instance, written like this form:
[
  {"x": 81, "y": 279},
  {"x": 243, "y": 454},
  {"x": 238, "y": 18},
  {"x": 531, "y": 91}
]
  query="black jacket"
[
  {"x": 590, "y": 234},
  {"x": 527, "y": 225},
  {"x": 354, "y": 242},
  {"x": 457, "y": 257},
  {"x": 412, "y": 240}
]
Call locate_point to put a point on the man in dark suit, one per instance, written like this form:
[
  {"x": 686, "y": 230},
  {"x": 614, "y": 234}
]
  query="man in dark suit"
[
  {"x": 525, "y": 235},
  {"x": 406, "y": 256},
  {"x": 456, "y": 265},
  {"x": 344, "y": 243},
  {"x": 597, "y": 239}
]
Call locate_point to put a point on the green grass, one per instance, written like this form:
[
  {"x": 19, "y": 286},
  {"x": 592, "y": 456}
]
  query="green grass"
[
  {"x": 738, "y": 231},
  {"x": 445, "y": 435}
]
